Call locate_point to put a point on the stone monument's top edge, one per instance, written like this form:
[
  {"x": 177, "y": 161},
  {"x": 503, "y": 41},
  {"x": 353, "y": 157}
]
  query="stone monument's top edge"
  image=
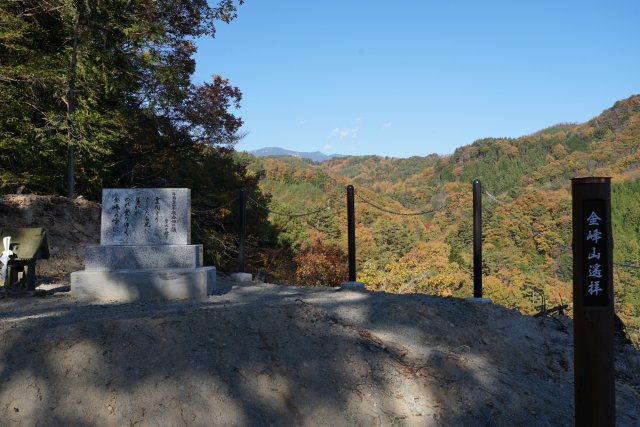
[{"x": 146, "y": 188}]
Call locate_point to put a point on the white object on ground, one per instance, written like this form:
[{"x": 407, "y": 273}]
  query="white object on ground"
[{"x": 6, "y": 242}]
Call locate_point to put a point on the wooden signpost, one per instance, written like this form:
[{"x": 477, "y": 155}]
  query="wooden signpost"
[
  {"x": 477, "y": 239},
  {"x": 351, "y": 233},
  {"x": 593, "y": 323}
]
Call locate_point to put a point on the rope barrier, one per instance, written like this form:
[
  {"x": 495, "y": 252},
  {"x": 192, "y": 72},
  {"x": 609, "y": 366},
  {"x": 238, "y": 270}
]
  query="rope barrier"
[
  {"x": 294, "y": 215},
  {"x": 526, "y": 224},
  {"x": 399, "y": 213}
]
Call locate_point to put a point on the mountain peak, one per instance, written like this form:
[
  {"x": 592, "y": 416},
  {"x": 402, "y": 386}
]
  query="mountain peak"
[{"x": 315, "y": 156}]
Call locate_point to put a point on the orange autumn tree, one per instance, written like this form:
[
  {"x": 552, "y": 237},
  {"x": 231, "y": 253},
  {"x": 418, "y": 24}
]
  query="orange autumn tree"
[{"x": 321, "y": 265}]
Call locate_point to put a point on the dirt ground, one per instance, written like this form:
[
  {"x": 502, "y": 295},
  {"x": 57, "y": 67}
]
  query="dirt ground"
[{"x": 263, "y": 354}]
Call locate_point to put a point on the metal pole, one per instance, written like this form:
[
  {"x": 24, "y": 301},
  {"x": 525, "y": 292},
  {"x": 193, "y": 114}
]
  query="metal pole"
[
  {"x": 477, "y": 239},
  {"x": 351, "y": 233},
  {"x": 243, "y": 227},
  {"x": 593, "y": 324}
]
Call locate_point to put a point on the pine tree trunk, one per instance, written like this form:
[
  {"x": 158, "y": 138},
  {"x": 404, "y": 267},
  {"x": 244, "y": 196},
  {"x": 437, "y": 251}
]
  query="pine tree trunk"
[{"x": 71, "y": 106}]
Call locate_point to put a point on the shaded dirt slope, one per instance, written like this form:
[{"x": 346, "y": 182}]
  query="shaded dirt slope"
[{"x": 262, "y": 354}]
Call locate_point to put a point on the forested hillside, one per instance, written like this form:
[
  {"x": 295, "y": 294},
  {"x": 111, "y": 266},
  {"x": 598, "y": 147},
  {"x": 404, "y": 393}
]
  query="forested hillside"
[{"x": 526, "y": 210}]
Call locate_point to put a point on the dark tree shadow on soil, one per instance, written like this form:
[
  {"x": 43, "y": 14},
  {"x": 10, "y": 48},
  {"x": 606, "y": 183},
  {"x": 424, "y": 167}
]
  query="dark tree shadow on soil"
[{"x": 291, "y": 356}]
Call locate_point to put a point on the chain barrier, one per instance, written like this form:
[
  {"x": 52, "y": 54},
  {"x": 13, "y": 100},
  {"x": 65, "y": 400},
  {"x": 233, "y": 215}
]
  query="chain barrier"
[
  {"x": 617, "y": 264},
  {"x": 539, "y": 233},
  {"x": 536, "y": 232},
  {"x": 526, "y": 224},
  {"x": 216, "y": 208},
  {"x": 292, "y": 215},
  {"x": 399, "y": 213}
]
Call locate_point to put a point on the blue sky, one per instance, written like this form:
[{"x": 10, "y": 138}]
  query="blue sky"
[{"x": 414, "y": 77}]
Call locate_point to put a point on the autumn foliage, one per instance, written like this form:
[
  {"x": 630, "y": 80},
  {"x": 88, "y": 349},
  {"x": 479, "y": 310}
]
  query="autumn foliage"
[{"x": 321, "y": 265}]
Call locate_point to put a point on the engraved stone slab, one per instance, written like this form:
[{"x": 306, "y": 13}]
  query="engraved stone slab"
[
  {"x": 112, "y": 257},
  {"x": 146, "y": 216}
]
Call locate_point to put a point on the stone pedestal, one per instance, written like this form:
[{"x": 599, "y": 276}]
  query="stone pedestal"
[
  {"x": 145, "y": 250},
  {"x": 354, "y": 286},
  {"x": 140, "y": 284},
  {"x": 241, "y": 277},
  {"x": 479, "y": 300}
]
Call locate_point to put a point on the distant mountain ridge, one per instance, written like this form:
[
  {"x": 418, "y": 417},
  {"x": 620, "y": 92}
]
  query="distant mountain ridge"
[{"x": 315, "y": 156}]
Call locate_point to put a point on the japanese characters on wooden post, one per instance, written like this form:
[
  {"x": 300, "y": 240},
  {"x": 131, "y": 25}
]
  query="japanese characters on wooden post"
[{"x": 595, "y": 292}]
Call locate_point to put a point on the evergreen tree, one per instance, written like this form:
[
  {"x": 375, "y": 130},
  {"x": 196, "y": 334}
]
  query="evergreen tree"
[{"x": 111, "y": 79}]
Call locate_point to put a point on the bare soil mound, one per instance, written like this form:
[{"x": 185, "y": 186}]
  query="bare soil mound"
[
  {"x": 71, "y": 225},
  {"x": 262, "y": 354}
]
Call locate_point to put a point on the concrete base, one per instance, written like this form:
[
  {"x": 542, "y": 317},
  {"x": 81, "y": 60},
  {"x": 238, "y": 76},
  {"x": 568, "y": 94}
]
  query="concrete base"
[
  {"x": 480, "y": 300},
  {"x": 241, "y": 277},
  {"x": 107, "y": 258},
  {"x": 355, "y": 286},
  {"x": 143, "y": 284}
]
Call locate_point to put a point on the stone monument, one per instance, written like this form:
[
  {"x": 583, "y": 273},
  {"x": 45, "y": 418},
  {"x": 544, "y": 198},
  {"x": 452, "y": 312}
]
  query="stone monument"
[{"x": 145, "y": 249}]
